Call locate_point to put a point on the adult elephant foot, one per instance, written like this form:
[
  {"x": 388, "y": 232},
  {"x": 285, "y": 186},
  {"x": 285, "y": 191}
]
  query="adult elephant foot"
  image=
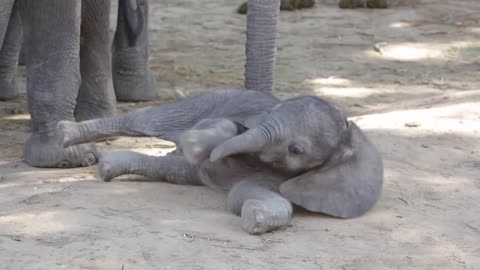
[
  {"x": 132, "y": 78},
  {"x": 53, "y": 80},
  {"x": 47, "y": 151}
]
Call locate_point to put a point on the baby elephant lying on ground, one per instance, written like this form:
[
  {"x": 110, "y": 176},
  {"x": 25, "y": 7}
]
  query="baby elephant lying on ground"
[{"x": 267, "y": 153}]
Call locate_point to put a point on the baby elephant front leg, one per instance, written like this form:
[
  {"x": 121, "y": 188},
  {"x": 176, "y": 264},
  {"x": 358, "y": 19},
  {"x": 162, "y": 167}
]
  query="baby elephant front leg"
[
  {"x": 197, "y": 142},
  {"x": 261, "y": 209},
  {"x": 171, "y": 168}
]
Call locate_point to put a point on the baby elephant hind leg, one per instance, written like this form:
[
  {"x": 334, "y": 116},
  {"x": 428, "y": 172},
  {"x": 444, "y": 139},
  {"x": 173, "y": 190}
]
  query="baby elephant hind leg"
[
  {"x": 166, "y": 121},
  {"x": 170, "y": 168},
  {"x": 260, "y": 207}
]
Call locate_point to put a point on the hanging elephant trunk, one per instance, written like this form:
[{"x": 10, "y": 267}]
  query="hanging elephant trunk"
[{"x": 261, "y": 47}]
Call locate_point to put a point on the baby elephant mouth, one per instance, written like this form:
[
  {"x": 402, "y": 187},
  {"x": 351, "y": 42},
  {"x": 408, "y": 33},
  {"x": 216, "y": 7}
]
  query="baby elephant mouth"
[
  {"x": 278, "y": 163},
  {"x": 270, "y": 159}
]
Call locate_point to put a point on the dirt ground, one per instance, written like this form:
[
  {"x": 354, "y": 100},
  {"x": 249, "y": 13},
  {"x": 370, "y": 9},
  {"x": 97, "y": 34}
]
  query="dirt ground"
[{"x": 409, "y": 76}]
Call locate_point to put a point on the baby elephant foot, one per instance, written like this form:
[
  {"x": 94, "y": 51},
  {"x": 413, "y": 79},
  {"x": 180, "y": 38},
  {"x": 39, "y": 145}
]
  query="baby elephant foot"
[
  {"x": 45, "y": 151},
  {"x": 116, "y": 163},
  {"x": 198, "y": 142},
  {"x": 192, "y": 149},
  {"x": 259, "y": 217},
  {"x": 68, "y": 133},
  {"x": 110, "y": 166}
]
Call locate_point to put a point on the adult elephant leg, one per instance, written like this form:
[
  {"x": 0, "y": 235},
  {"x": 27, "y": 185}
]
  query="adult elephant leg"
[
  {"x": 21, "y": 56},
  {"x": 51, "y": 32},
  {"x": 9, "y": 55},
  {"x": 171, "y": 168},
  {"x": 95, "y": 98},
  {"x": 5, "y": 12},
  {"x": 132, "y": 78},
  {"x": 261, "y": 208},
  {"x": 262, "y": 20}
]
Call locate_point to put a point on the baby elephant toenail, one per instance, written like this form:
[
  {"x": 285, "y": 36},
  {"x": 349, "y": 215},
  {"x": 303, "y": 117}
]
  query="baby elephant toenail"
[
  {"x": 64, "y": 164},
  {"x": 89, "y": 159}
]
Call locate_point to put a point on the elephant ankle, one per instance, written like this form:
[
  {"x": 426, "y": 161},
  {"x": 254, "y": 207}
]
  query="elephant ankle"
[
  {"x": 134, "y": 87},
  {"x": 132, "y": 78},
  {"x": 8, "y": 89},
  {"x": 92, "y": 110}
]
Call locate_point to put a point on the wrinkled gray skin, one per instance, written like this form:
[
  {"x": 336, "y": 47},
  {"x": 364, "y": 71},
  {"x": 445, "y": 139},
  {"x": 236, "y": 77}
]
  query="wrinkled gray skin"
[
  {"x": 267, "y": 153},
  {"x": 68, "y": 57}
]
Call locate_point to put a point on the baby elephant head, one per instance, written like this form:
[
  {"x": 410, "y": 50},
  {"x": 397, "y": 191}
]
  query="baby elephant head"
[
  {"x": 340, "y": 172},
  {"x": 298, "y": 135}
]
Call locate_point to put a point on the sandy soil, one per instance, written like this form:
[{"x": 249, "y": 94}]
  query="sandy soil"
[{"x": 408, "y": 75}]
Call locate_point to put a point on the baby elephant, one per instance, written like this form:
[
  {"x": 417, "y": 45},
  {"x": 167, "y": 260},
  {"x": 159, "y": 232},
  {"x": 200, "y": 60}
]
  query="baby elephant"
[{"x": 267, "y": 153}]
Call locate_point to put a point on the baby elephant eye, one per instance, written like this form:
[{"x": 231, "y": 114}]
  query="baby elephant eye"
[{"x": 294, "y": 149}]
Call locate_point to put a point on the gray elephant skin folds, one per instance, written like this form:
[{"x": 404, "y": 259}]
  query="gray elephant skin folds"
[
  {"x": 265, "y": 152},
  {"x": 70, "y": 58}
]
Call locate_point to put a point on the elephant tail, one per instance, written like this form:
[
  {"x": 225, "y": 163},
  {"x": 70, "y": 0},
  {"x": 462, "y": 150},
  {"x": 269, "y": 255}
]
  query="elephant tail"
[{"x": 135, "y": 20}]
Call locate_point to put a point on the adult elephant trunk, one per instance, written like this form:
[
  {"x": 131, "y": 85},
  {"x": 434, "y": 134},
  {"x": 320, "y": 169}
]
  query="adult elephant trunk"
[
  {"x": 249, "y": 142},
  {"x": 135, "y": 21},
  {"x": 262, "y": 19}
]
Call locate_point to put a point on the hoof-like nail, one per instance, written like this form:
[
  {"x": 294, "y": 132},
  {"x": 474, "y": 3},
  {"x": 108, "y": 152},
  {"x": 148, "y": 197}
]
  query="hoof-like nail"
[
  {"x": 107, "y": 180},
  {"x": 197, "y": 150},
  {"x": 89, "y": 159},
  {"x": 64, "y": 164},
  {"x": 105, "y": 172}
]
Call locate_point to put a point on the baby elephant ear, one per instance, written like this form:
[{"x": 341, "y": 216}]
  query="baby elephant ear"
[{"x": 345, "y": 189}]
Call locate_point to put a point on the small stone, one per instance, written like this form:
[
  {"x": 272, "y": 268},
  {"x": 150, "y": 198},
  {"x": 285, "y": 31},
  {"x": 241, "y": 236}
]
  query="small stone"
[
  {"x": 378, "y": 47},
  {"x": 412, "y": 124},
  {"x": 189, "y": 237}
]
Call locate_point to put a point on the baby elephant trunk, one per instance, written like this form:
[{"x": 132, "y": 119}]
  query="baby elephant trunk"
[{"x": 249, "y": 142}]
